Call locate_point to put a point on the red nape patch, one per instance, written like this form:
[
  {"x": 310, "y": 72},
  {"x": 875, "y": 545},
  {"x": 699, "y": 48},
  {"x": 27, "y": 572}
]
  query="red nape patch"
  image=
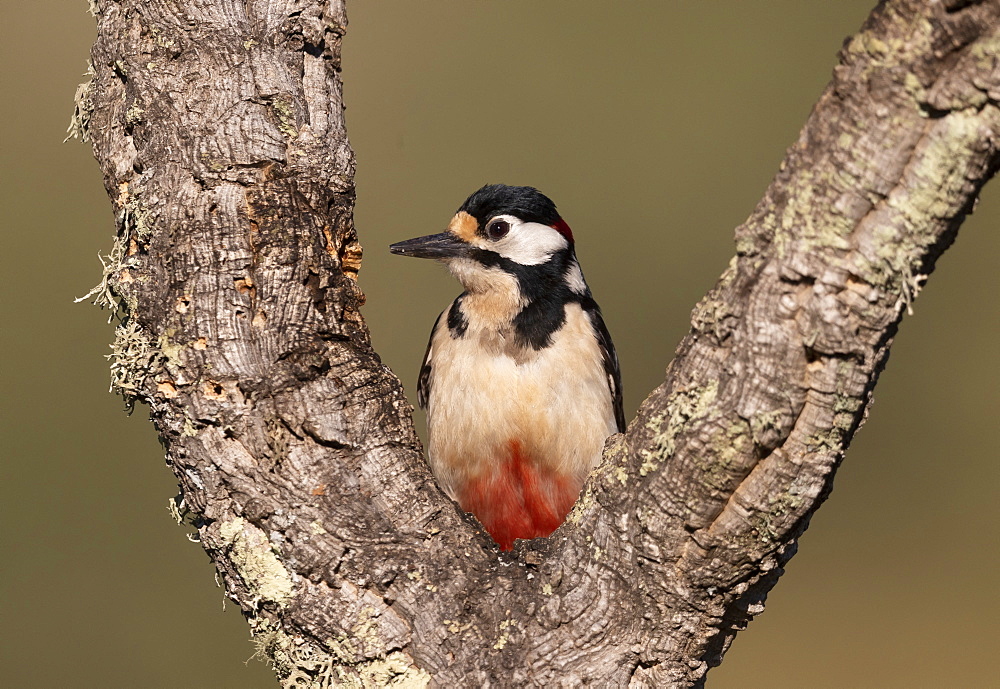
[
  {"x": 562, "y": 228},
  {"x": 519, "y": 500}
]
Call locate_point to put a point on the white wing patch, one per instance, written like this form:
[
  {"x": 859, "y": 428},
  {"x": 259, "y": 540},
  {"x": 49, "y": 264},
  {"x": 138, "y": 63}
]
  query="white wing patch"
[{"x": 574, "y": 279}]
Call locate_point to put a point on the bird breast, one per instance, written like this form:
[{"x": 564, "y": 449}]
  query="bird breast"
[{"x": 489, "y": 395}]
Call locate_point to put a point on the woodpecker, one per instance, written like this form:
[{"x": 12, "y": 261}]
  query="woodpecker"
[{"x": 520, "y": 381}]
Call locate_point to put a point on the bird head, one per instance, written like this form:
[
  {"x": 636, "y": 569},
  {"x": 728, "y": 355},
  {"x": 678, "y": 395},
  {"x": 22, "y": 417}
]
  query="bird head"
[{"x": 499, "y": 231}]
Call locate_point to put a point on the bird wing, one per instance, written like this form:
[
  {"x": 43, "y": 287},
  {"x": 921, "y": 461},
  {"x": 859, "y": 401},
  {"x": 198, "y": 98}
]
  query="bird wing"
[
  {"x": 424, "y": 379},
  {"x": 611, "y": 367}
]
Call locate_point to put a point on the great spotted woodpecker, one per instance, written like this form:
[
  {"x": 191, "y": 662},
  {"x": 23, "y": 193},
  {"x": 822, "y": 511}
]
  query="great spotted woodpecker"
[{"x": 520, "y": 380}]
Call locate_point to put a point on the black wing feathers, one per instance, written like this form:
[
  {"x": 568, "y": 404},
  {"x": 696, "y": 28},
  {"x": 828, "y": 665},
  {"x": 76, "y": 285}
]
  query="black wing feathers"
[
  {"x": 611, "y": 367},
  {"x": 424, "y": 378}
]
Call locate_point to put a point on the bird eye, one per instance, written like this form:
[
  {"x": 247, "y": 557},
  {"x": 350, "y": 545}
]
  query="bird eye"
[{"x": 497, "y": 229}]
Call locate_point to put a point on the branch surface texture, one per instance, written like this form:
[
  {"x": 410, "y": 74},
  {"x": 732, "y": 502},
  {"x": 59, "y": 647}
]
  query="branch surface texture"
[{"x": 218, "y": 125}]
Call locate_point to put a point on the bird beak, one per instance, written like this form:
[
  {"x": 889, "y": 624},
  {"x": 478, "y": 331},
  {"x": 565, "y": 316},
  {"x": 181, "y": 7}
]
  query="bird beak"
[{"x": 442, "y": 245}]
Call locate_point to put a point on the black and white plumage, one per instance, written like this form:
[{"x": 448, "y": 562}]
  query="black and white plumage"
[{"x": 520, "y": 380}]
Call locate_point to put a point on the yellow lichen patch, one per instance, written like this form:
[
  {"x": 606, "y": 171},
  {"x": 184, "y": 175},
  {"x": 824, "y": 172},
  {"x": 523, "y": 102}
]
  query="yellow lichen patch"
[
  {"x": 171, "y": 350},
  {"x": 463, "y": 226},
  {"x": 258, "y": 566},
  {"x": 621, "y": 475},
  {"x": 395, "y": 671},
  {"x": 581, "y": 506},
  {"x": 189, "y": 429},
  {"x": 133, "y": 359},
  {"x": 505, "y": 630},
  {"x": 285, "y": 112},
  {"x": 454, "y": 627},
  {"x": 366, "y": 630},
  {"x": 683, "y": 407}
]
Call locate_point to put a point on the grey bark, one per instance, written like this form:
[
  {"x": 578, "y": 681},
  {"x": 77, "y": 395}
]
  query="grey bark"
[{"x": 218, "y": 126}]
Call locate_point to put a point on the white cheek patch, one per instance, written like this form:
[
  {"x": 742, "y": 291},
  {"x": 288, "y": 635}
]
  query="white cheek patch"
[{"x": 528, "y": 243}]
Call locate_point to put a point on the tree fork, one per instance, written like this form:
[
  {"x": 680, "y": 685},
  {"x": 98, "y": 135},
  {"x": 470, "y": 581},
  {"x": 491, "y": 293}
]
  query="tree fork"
[{"x": 219, "y": 129}]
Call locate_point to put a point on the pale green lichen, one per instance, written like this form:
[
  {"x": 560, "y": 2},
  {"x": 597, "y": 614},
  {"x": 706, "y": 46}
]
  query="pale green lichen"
[
  {"x": 133, "y": 359},
  {"x": 621, "y": 475},
  {"x": 286, "y": 117},
  {"x": 764, "y": 422},
  {"x": 913, "y": 87},
  {"x": 830, "y": 440},
  {"x": 102, "y": 295},
  {"x": 942, "y": 169},
  {"x": 299, "y": 665},
  {"x": 83, "y": 108},
  {"x": 365, "y": 631},
  {"x": 254, "y": 558},
  {"x": 845, "y": 409},
  {"x": 682, "y": 408},
  {"x": 395, "y": 671},
  {"x": 189, "y": 429},
  {"x": 746, "y": 244},
  {"x": 177, "y": 508},
  {"x": 711, "y": 316},
  {"x": 133, "y": 115},
  {"x": 137, "y": 220},
  {"x": 723, "y": 453},
  {"x": 170, "y": 349},
  {"x": 583, "y": 503},
  {"x": 505, "y": 630},
  {"x": 797, "y": 224},
  {"x": 768, "y": 523},
  {"x": 894, "y": 51},
  {"x": 342, "y": 648}
]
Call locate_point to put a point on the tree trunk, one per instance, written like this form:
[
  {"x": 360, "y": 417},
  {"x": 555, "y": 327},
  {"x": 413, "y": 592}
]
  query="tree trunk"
[{"x": 218, "y": 126}]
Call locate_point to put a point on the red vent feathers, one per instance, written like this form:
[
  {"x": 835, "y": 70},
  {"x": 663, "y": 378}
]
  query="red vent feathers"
[{"x": 519, "y": 500}]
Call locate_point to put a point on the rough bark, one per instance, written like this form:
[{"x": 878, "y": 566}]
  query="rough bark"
[{"x": 218, "y": 125}]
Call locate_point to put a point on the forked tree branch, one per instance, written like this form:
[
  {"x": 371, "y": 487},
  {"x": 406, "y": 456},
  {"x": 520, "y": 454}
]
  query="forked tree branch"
[{"x": 218, "y": 125}]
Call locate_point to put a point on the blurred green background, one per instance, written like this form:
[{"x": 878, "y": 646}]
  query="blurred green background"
[{"x": 655, "y": 126}]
